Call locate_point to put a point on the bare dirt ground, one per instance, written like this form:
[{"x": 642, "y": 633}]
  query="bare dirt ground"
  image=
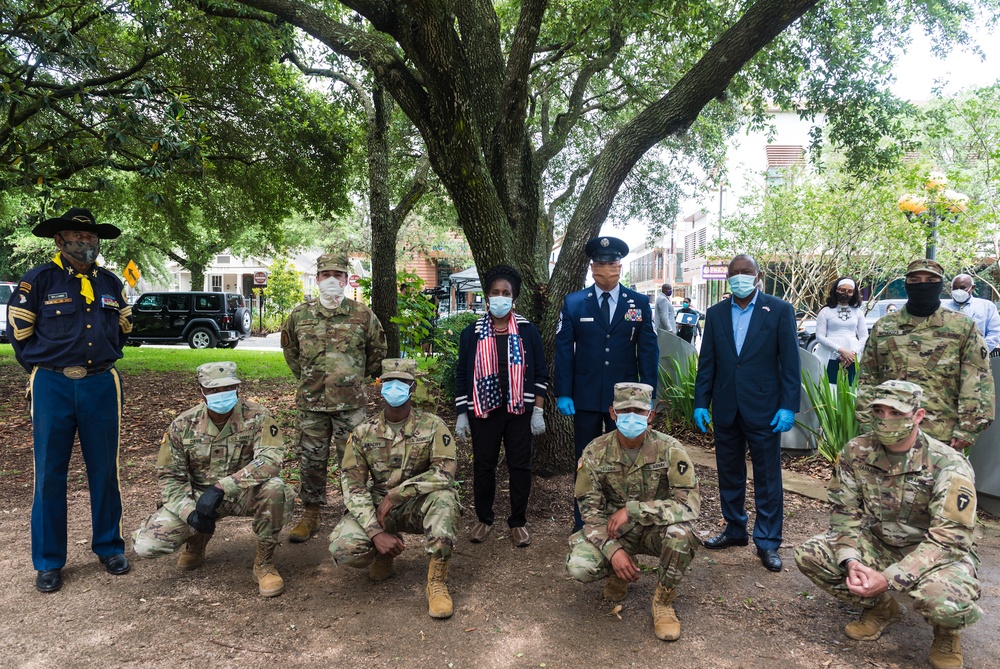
[{"x": 513, "y": 607}]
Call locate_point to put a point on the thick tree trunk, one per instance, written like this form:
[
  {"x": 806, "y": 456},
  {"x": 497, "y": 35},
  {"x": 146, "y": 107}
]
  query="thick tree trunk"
[
  {"x": 384, "y": 227},
  {"x": 197, "y": 275}
]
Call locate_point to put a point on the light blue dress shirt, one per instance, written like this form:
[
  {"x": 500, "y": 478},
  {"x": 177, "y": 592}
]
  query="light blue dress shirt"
[
  {"x": 984, "y": 313},
  {"x": 741, "y": 321},
  {"x": 613, "y": 295}
]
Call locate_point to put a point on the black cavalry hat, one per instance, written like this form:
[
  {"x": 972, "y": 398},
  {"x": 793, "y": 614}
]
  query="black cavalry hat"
[
  {"x": 76, "y": 219},
  {"x": 606, "y": 249}
]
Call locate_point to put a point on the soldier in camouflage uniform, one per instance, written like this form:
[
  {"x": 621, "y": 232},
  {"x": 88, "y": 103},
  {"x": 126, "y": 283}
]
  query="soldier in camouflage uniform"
[
  {"x": 398, "y": 475},
  {"x": 220, "y": 458},
  {"x": 938, "y": 349},
  {"x": 638, "y": 495},
  {"x": 903, "y": 519},
  {"x": 331, "y": 344}
]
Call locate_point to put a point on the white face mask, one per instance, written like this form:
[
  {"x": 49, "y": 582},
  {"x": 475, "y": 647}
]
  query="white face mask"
[
  {"x": 960, "y": 296},
  {"x": 331, "y": 291}
]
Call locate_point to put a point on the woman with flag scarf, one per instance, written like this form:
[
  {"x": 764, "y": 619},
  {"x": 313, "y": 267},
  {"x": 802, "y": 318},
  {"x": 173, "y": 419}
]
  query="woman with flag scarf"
[
  {"x": 67, "y": 323},
  {"x": 501, "y": 377}
]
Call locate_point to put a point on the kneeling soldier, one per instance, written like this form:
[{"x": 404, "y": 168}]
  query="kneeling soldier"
[
  {"x": 221, "y": 458},
  {"x": 903, "y": 518},
  {"x": 638, "y": 495},
  {"x": 398, "y": 476}
]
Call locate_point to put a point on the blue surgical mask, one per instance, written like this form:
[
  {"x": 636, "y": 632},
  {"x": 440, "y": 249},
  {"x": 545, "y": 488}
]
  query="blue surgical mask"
[
  {"x": 500, "y": 306},
  {"x": 222, "y": 402},
  {"x": 742, "y": 285},
  {"x": 631, "y": 425},
  {"x": 395, "y": 392}
]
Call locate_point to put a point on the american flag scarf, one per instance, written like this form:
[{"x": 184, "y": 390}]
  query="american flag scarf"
[{"x": 486, "y": 393}]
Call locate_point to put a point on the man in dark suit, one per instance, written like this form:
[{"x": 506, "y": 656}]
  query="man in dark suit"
[
  {"x": 605, "y": 336},
  {"x": 748, "y": 371}
]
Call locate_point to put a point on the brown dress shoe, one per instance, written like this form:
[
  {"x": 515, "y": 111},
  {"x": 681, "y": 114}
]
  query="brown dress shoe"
[
  {"x": 520, "y": 536},
  {"x": 479, "y": 532}
]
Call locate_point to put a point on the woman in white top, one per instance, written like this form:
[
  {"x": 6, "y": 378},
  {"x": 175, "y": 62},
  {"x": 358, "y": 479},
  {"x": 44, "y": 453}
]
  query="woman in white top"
[{"x": 841, "y": 329}]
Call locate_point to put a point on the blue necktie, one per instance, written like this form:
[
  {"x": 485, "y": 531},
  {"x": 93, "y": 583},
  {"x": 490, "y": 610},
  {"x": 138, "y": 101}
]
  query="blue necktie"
[{"x": 606, "y": 308}]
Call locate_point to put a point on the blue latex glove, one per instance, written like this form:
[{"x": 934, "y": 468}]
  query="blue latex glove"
[
  {"x": 784, "y": 420},
  {"x": 702, "y": 418},
  {"x": 565, "y": 406}
]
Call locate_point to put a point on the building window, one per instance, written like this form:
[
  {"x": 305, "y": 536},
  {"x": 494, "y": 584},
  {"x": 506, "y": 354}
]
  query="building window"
[
  {"x": 216, "y": 283},
  {"x": 694, "y": 242},
  {"x": 223, "y": 260}
]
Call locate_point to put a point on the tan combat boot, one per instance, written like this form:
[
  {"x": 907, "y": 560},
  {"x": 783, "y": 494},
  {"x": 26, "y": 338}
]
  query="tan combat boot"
[
  {"x": 438, "y": 600},
  {"x": 264, "y": 571},
  {"x": 665, "y": 623},
  {"x": 307, "y": 526},
  {"x": 615, "y": 589},
  {"x": 193, "y": 555},
  {"x": 946, "y": 651},
  {"x": 873, "y": 621},
  {"x": 381, "y": 567}
]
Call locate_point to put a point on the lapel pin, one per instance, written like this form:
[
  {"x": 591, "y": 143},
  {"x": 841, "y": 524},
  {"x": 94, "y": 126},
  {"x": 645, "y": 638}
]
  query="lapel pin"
[{"x": 766, "y": 308}]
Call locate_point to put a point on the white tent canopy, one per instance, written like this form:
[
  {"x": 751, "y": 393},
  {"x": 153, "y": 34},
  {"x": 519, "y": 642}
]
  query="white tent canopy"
[{"x": 466, "y": 281}]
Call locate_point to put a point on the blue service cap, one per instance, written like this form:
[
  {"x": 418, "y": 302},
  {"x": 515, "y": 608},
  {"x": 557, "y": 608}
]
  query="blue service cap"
[{"x": 606, "y": 249}]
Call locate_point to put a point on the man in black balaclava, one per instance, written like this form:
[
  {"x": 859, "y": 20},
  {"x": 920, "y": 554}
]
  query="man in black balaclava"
[{"x": 938, "y": 349}]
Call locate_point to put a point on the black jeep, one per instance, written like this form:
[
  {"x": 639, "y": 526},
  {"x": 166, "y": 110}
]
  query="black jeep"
[{"x": 203, "y": 320}]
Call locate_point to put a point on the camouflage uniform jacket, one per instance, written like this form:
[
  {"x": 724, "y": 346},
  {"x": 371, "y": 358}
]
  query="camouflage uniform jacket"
[
  {"x": 924, "y": 507},
  {"x": 330, "y": 351},
  {"x": 944, "y": 354},
  {"x": 195, "y": 454},
  {"x": 659, "y": 489},
  {"x": 379, "y": 462}
]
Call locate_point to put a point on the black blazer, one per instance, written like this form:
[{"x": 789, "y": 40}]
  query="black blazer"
[{"x": 536, "y": 371}]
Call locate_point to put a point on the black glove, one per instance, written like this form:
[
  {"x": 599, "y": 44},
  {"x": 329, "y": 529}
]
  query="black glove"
[
  {"x": 209, "y": 502},
  {"x": 201, "y": 523}
]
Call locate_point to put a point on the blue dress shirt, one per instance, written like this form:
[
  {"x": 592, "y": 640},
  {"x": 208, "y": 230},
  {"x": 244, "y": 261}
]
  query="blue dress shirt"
[{"x": 741, "y": 321}]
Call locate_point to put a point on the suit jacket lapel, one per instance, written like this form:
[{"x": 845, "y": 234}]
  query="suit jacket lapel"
[
  {"x": 727, "y": 326},
  {"x": 593, "y": 304},
  {"x": 756, "y": 319}
]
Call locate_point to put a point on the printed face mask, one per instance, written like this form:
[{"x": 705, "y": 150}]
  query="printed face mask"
[
  {"x": 395, "y": 392},
  {"x": 500, "y": 306},
  {"x": 84, "y": 253},
  {"x": 331, "y": 288},
  {"x": 742, "y": 284},
  {"x": 221, "y": 402},
  {"x": 631, "y": 425},
  {"x": 891, "y": 431}
]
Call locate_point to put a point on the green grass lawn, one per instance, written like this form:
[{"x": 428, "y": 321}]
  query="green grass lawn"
[{"x": 250, "y": 364}]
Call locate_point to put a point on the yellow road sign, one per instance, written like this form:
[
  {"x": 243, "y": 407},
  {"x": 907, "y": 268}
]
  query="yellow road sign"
[{"x": 132, "y": 273}]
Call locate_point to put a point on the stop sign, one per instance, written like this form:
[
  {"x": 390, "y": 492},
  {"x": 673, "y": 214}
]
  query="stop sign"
[
  {"x": 352, "y": 281},
  {"x": 260, "y": 278}
]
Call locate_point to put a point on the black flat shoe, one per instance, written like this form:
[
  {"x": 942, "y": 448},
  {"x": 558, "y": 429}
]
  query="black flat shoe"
[
  {"x": 48, "y": 580},
  {"x": 770, "y": 559},
  {"x": 116, "y": 564},
  {"x": 724, "y": 541}
]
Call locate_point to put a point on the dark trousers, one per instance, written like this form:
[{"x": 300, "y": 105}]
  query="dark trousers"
[
  {"x": 765, "y": 455},
  {"x": 60, "y": 408},
  {"x": 587, "y": 426},
  {"x": 687, "y": 334},
  {"x": 515, "y": 433},
  {"x": 833, "y": 367}
]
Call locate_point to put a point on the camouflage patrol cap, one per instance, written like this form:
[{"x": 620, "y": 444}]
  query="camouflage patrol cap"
[
  {"x": 217, "y": 375},
  {"x": 899, "y": 395},
  {"x": 925, "y": 265},
  {"x": 404, "y": 369},
  {"x": 334, "y": 261},
  {"x": 632, "y": 395}
]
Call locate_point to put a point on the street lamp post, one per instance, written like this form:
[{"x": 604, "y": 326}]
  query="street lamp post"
[{"x": 938, "y": 203}]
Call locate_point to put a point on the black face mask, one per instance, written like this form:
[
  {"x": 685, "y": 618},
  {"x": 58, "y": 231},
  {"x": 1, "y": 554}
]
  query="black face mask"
[
  {"x": 923, "y": 299},
  {"x": 843, "y": 299}
]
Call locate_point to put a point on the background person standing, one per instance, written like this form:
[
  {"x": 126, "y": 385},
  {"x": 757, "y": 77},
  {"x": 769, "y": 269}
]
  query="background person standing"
[
  {"x": 687, "y": 321},
  {"x": 983, "y": 312},
  {"x": 331, "y": 345},
  {"x": 67, "y": 323},
  {"x": 841, "y": 328},
  {"x": 604, "y": 336},
  {"x": 665, "y": 314}
]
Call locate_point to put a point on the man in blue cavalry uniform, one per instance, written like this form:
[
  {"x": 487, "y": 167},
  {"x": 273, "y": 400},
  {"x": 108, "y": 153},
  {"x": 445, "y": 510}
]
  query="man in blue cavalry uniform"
[
  {"x": 67, "y": 322},
  {"x": 605, "y": 336}
]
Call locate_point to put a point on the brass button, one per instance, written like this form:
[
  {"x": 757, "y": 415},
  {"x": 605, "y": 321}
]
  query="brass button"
[
  {"x": 90, "y": 362},
  {"x": 58, "y": 313},
  {"x": 88, "y": 326},
  {"x": 88, "y": 309}
]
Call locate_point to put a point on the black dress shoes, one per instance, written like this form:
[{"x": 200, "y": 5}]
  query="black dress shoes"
[
  {"x": 770, "y": 559},
  {"x": 724, "y": 541},
  {"x": 48, "y": 580},
  {"x": 116, "y": 564}
]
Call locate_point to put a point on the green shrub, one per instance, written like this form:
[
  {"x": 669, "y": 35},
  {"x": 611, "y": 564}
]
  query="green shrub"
[
  {"x": 677, "y": 391},
  {"x": 447, "y": 333},
  {"x": 835, "y": 410}
]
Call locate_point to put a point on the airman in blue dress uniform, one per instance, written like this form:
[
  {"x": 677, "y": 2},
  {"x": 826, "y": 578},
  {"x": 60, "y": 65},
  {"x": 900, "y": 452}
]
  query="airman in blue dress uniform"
[
  {"x": 67, "y": 322},
  {"x": 605, "y": 336}
]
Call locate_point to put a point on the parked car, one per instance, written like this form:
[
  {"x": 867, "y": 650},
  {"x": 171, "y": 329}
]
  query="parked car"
[
  {"x": 203, "y": 320},
  {"x": 6, "y": 290},
  {"x": 807, "y": 327}
]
